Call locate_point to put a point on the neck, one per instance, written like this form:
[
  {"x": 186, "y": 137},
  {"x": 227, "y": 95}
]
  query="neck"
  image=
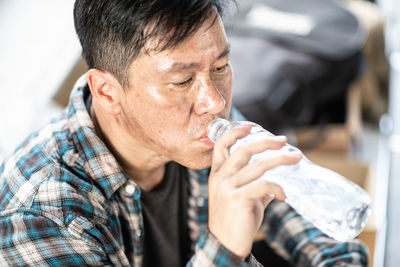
[{"x": 143, "y": 166}]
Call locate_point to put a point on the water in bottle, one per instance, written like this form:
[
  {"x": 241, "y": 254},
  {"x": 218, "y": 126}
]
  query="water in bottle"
[{"x": 335, "y": 205}]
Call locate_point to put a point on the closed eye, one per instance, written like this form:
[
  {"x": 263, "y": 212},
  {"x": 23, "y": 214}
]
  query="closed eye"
[
  {"x": 185, "y": 83},
  {"x": 222, "y": 69}
]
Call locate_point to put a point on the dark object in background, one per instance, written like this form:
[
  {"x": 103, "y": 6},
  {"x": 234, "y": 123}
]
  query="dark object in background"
[{"x": 293, "y": 61}]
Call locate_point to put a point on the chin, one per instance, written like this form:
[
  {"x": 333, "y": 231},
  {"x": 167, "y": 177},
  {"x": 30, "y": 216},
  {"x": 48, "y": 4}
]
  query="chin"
[
  {"x": 199, "y": 167},
  {"x": 197, "y": 163}
]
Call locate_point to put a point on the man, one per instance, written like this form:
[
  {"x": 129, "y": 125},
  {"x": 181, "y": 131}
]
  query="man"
[{"x": 122, "y": 177}]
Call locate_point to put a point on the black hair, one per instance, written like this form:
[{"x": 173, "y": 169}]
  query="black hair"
[{"x": 114, "y": 32}]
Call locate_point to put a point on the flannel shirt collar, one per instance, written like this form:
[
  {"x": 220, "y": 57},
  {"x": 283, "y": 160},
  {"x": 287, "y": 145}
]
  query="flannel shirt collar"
[{"x": 96, "y": 159}]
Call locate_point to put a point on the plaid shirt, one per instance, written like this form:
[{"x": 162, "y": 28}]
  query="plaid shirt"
[{"x": 65, "y": 201}]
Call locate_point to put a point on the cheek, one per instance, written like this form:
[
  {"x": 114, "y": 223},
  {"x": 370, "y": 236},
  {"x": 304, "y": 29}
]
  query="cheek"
[
  {"x": 161, "y": 115},
  {"x": 228, "y": 88},
  {"x": 153, "y": 101},
  {"x": 224, "y": 85}
]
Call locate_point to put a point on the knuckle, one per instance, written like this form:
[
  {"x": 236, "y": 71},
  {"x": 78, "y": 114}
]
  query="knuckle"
[
  {"x": 245, "y": 150},
  {"x": 272, "y": 142},
  {"x": 224, "y": 184},
  {"x": 219, "y": 145},
  {"x": 234, "y": 195},
  {"x": 261, "y": 165},
  {"x": 286, "y": 158},
  {"x": 266, "y": 184}
]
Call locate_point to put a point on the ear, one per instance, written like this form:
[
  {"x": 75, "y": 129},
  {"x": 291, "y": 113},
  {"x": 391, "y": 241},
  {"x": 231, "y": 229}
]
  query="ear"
[{"x": 105, "y": 90}]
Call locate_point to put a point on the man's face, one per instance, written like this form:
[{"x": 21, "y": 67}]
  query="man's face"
[{"x": 176, "y": 93}]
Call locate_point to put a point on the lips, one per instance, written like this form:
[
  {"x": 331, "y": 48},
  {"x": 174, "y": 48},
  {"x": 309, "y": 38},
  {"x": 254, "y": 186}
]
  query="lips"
[
  {"x": 206, "y": 140},
  {"x": 204, "y": 137}
]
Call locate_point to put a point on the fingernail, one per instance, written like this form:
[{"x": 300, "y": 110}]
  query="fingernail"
[
  {"x": 295, "y": 154},
  {"x": 272, "y": 195},
  {"x": 280, "y": 138}
]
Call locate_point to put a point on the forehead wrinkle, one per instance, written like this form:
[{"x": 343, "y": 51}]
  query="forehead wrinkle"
[
  {"x": 170, "y": 66},
  {"x": 180, "y": 66}
]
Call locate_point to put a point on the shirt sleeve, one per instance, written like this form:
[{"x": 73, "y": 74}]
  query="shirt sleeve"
[
  {"x": 210, "y": 252},
  {"x": 301, "y": 244},
  {"x": 28, "y": 239}
]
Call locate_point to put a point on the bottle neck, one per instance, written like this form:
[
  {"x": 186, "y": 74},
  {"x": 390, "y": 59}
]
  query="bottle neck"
[{"x": 218, "y": 128}]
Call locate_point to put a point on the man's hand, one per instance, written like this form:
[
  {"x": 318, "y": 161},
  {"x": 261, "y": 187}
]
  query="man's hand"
[{"x": 236, "y": 203}]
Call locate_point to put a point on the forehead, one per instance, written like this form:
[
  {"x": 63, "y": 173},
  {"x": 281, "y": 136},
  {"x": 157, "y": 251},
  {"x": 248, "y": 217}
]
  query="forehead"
[
  {"x": 210, "y": 34},
  {"x": 208, "y": 41}
]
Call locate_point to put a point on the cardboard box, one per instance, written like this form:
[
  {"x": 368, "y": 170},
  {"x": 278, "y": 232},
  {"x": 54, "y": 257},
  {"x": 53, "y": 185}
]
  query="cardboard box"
[
  {"x": 62, "y": 95},
  {"x": 334, "y": 138}
]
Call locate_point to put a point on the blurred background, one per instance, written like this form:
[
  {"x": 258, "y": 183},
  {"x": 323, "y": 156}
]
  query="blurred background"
[{"x": 325, "y": 73}]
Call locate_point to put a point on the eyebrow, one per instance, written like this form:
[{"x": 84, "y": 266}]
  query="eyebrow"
[
  {"x": 225, "y": 52},
  {"x": 179, "y": 66}
]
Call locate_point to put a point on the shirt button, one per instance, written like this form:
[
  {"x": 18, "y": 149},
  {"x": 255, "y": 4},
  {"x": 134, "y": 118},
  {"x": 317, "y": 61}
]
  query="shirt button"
[
  {"x": 130, "y": 189},
  {"x": 138, "y": 233},
  {"x": 200, "y": 202}
]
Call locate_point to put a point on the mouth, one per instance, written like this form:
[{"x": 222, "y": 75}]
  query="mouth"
[
  {"x": 205, "y": 140},
  {"x": 204, "y": 137}
]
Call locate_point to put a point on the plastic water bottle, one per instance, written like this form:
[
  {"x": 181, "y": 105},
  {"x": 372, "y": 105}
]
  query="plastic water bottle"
[{"x": 335, "y": 205}]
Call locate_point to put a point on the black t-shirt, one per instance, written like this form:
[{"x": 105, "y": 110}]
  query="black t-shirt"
[{"x": 166, "y": 236}]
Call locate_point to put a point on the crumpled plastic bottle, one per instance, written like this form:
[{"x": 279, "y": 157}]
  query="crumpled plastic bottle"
[{"x": 335, "y": 205}]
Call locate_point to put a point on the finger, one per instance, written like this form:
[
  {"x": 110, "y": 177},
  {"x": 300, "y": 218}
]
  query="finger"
[
  {"x": 261, "y": 190},
  {"x": 241, "y": 156},
  {"x": 222, "y": 146},
  {"x": 257, "y": 168},
  {"x": 267, "y": 199}
]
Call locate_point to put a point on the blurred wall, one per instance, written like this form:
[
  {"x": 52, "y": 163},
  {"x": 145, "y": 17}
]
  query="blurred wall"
[{"x": 38, "y": 50}]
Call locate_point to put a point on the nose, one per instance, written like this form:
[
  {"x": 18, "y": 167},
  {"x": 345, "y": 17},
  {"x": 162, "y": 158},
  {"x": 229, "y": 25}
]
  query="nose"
[{"x": 209, "y": 99}]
